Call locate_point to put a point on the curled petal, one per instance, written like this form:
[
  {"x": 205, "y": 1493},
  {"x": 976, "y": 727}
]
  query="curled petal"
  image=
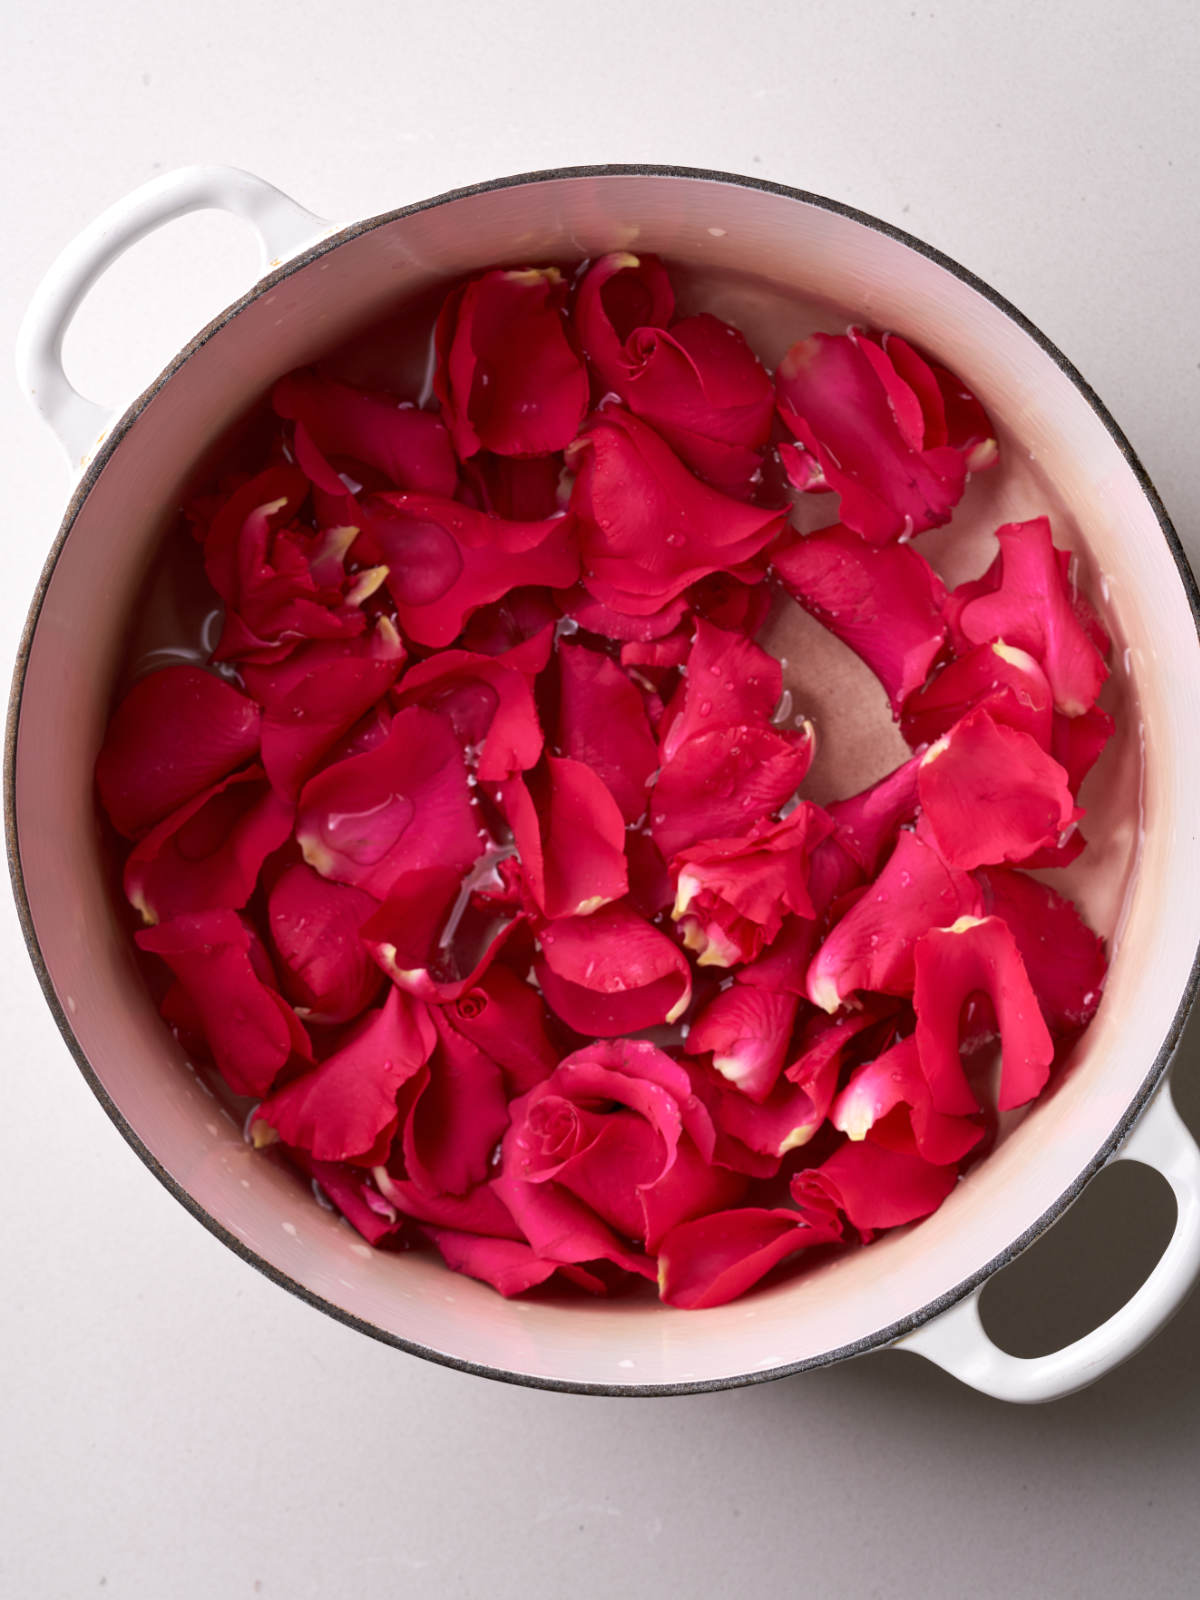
[
  {"x": 570, "y": 837},
  {"x": 648, "y": 528},
  {"x": 507, "y": 375},
  {"x": 350, "y": 1190},
  {"x": 207, "y": 855},
  {"x": 457, "y": 1118},
  {"x": 731, "y": 895},
  {"x": 593, "y": 617},
  {"x": 314, "y": 697},
  {"x": 510, "y": 1266},
  {"x": 991, "y": 794},
  {"x": 865, "y": 435},
  {"x": 521, "y": 488},
  {"x": 345, "y": 1109},
  {"x": 437, "y": 933},
  {"x": 874, "y": 1187},
  {"x": 894, "y": 1080},
  {"x": 314, "y": 927},
  {"x": 748, "y": 1031},
  {"x": 1077, "y": 743},
  {"x": 871, "y": 947},
  {"x": 176, "y": 733},
  {"x": 402, "y": 806},
  {"x": 730, "y": 682},
  {"x": 722, "y": 782},
  {"x": 561, "y": 1228},
  {"x": 884, "y": 602},
  {"x": 1031, "y": 607},
  {"x": 1006, "y": 682},
  {"x": 519, "y": 625},
  {"x": 602, "y": 724},
  {"x": 618, "y": 294},
  {"x": 489, "y": 704},
  {"x": 251, "y": 1030},
  {"x": 612, "y": 973},
  {"x": 478, "y": 1211},
  {"x": 714, "y": 1259},
  {"x": 445, "y": 560},
  {"x": 337, "y": 423},
  {"x": 977, "y": 956},
  {"x": 507, "y": 1019},
  {"x": 730, "y": 603},
  {"x": 784, "y": 967},
  {"x": 1065, "y": 961},
  {"x": 867, "y": 824}
]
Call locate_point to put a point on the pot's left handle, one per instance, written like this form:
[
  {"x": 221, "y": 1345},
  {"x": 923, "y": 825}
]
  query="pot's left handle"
[{"x": 283, "y": 228}]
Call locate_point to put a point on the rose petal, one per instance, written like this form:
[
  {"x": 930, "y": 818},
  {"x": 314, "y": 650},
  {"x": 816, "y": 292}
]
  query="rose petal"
[
  {"x": 561, "y": 1228},
  {"x": 866, "y": 824},
  {"x": 1065, "y": 961},
  {"x": 1076, "y": 743},
  {"x": 507, "y": 1020},
  {"x": 349, "y": 1190},
  {"x": 731, "y": 604},
  {"x": 730, "y": 682},
  {"x": 784, "y": 967},
  {"x": 489, "y": 705},
  {"x": 402, "y": 806},
  {"x": 714, "y": 1259},
  {"x": 612, "y": 973},
  {"x": 457, "y": 1118},
  {"x": 648, "y": 528},
  {"x": 748, "y": 1031},
  {"x": 873, "y": 1186},
  {"x": 618, "y": 293},
  {"x": 731, "y": 895},
  {"x": 522, "y": 489},
  {"x": 991, "y": 794},
  {"x": 410, "y": 448},
  {"x": 445, "y": 560},
  {"x": 250, "y": 1028},
  {"x": 478, "y": 1211},
  {"x": 602, "y": 723},
  {"x": 176, "y": 733},
  {"x": 207, "y": 855},
  {"x": 977, "y": 955},
  {"x": 885, "y": 602},
  {"x": 1005, "y": 681},
  {"x": 871, "y": 947},
  {"x": 507, "y": 375},
  {"x": 593, "y": 617},
  {"x": 1031, "y": 609},
  {"x": 508, "y": 1265},
  {"x": 570, "y": 837},
  {"x": 345, "y": 1108},
  {"x": 314, "y": 927},
  {"x": 895, "y": 1079},
  {"x": 865, "y": 430},
  {"x": 519, "y": 625},
  {"x": 721, "y": 782},
  {"x": 435, "y": 935}
]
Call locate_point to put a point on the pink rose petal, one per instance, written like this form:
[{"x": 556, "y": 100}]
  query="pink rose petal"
[
  {"x": 1006, "y": 682},
  {"x": 892, "y": 1080},
  {"x": 612, "y": 973},
  {"x": 457, "y": 1118},
  {"x": 873, "y": 1187},
  {"x": 748, "y": 1031},
  {"x": 722, "y": 782},
  {"x": 714, "y": 1259},
  {"x": 1065, "y": 961}
]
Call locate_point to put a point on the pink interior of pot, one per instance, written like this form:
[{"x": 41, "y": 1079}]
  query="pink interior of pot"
[{"x": 777, "y": 267}]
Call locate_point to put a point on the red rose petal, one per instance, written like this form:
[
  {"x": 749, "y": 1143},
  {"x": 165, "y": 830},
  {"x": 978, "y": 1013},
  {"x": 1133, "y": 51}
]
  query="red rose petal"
[
  {"x": 602, "y": 723},
  {"x": 509, "y": 1265},
  {"x": 618, "y": 293},
  {"x": 866, "y": 824},
  {"x": 410, "y": 448},
  {"x": 991, "y": 794},
  {"x": 434, "y": 935},
  {"x": 402, "y": 806},
  {"x": 612, "y": 973},
  {"x": 1077, "y": 743},
  {"x": 1065, "y": 961},
  {"x": 314, "y": 927},
  {"x": 478, "y": 1211},
  {"x": 724, "y": 781},
  {"x": 350, "y": 1191},
  {"x": 748, "y": 1031},
  {"x": 457, "y": 1118},
  {"x": 884, "y": 602},
  {"x": 176, "y": 733},
  {"x": 489, "y": 704},
  {"x": 251, "y": 1030},
  {"x": 345, "y": 1109},
  {"x": 507, "y": 375},
  {"x": 207, "y": 855},
  {"x": 522, "y": 489},
  {"x": 895, "y": 1079},
  {"x": 864, "y": 429},
  {"x": 714, "y": 1259},
  {"x": 730, "y": 681},
  {"x": 593, "y": 617},
  {"x": 874, "y": 1187},
  {"x": 731, "y": 604},
  {"x": 570, "y": 837},
  {"x": 1004, "y": 681},
  {"x": 872, "y": 946},
  {"x": 951, "y": 964},
  {"x": 507, "y": 1020},
  {"x": 648, "y": 528},
  {"x": 1031, "y": 609},
  {"x": 519, "y": 625}
]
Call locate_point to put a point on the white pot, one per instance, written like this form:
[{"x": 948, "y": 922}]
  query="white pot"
[{"x": 918, "y": 1286}]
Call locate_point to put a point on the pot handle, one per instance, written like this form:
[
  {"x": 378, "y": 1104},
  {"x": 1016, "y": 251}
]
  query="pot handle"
[
  {"x": 958, "y": 1342},
  {"x": 283, "y": 228}
]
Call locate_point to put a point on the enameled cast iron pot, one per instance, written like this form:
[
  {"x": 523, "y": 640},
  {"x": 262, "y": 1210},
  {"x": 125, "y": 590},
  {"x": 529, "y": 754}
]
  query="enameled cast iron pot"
[{"x": 918, "y": 1287}]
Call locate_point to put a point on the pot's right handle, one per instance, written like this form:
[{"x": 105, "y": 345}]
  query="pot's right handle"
[
  {"x": 958, "y": 1341},
  {"x": 283, "y": 228}
]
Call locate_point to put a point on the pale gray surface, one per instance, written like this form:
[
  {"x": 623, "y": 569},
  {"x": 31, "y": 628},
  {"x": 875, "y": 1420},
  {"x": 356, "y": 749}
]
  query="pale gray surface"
[{"x": 175, "y": 1425}]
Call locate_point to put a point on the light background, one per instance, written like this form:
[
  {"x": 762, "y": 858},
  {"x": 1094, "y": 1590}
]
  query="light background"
[{"x": 172, "y": 1425}]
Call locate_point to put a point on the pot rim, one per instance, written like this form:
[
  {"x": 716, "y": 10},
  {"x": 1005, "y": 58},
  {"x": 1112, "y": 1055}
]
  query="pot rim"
[{"x": 873, "y": 1341}]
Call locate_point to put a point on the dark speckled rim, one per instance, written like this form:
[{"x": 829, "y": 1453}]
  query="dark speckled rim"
[{"x": 882, "y": 1336}]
